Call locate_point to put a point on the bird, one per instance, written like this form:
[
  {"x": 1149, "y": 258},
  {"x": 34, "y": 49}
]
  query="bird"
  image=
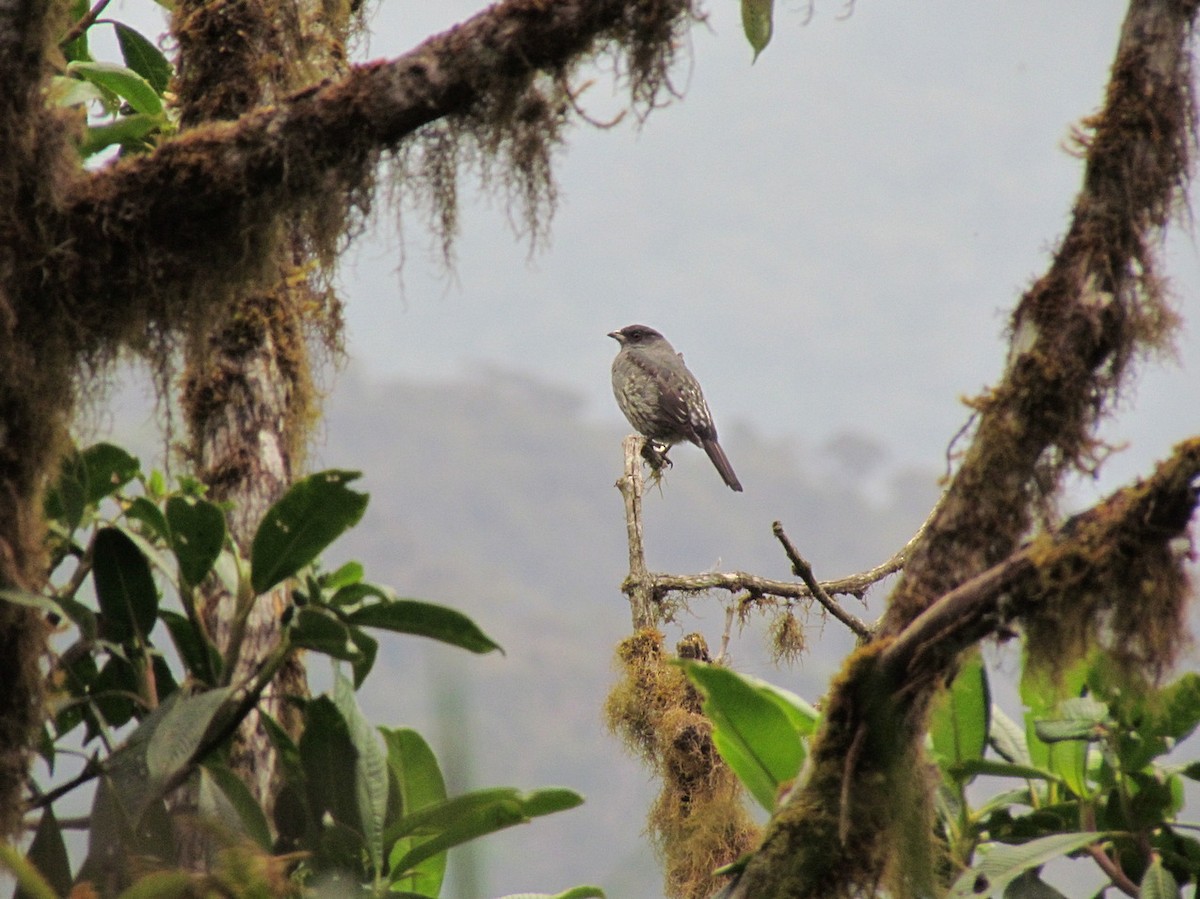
[{"x": 662, "y": 399}]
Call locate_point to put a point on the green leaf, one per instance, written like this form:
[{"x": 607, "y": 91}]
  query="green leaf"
[
  {"x": 310, "y": 516},
  {"x": 66, "y": 92},
  {"x": 757, "y": 16},
  {"x": 172, "y": 743},
  {"x": 197, "y": 529},
  {"x": 1082, "y": 718},
  {"x": 410, "y": 616},
  {"x": 150, "y": 515},
  {"x": 199, "y": 657},
  {"x": 78, "y": 48},
  {"x": 287, "y": 752},
  {"x": 1030, "y": 886},
  {"x": 162, "y": 885},
  {"x": 48, "y": 853},
  {"x": 751, "y": 730},
  {"x": 248, "y": 814},
  {"x": 350, "y": 573},
  {"x": 1042, "y": 694},
  {"x": 355, "y": 593},
  {"x": 125, "y": 588},
  {"x": 417, "y": 783},
  {"x": 127, "y": 811},
  {"x": 370, "y": 769},
  {"x": 1007, "y": 738},
  {"x": 1180, "y": 707},
  {"x": 128, "y": 131},
  {"x": 122, "y": 81},
  {"x": 112, "y": 690},
  {"x": 973, "y": 767},
  {"x": 81, "y": 616},
  {"x": 31, "y": 601},
  {"x": 1003, "y": 864},
  {"x": 86, "y": 477},
  {"x": 328, "y": 758},
  {"x": 143, "y": 57},
  {"x": 30, "y": 883},
  {"x": 314, "y": 629},
  {"x": 367, "y": 647},
  {"x": 960, "y": 721},
  {"x": 464, "y": 818},
  {"x": 1158, "y": 883}
]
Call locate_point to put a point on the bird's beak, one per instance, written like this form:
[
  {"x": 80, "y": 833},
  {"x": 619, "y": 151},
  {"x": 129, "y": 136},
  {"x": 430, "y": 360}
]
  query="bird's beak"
[{"x": 617, "y": 336}]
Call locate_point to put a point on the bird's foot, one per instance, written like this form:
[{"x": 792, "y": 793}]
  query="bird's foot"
[{"x": 655, "y": 454}]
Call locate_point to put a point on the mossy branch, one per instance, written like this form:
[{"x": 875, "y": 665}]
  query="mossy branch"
[
  {"x": 1112, "y": 576},
  {"x": 1077, "y": 329},
  {"x": 220, "y": 190}
]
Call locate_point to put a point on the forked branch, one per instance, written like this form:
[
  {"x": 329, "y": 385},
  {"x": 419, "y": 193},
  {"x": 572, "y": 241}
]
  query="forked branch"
[{"x": 646, "y": 589}]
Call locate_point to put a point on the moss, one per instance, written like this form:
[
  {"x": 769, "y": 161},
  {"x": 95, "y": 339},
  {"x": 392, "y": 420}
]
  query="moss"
[
  {"x": 1113, "y": 580},
  {"x": 837, "y": 835},
  {"x": 787, "y": 638},
  {"x": 1079, "y": 330},
  {"x": 698, "y": 821}
]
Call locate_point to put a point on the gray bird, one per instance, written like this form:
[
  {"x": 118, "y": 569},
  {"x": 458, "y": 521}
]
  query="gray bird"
[{"x": 662, "y": 399}]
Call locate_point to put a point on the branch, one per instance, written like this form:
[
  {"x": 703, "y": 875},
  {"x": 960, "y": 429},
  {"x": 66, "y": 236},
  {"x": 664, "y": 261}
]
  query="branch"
[
  {"x": 1121, "y": 540},
  {"x": 646, "y": 588},
  {"x": 84, "y": 23},
  {"x": 638, "y": 585},
  {"x": 1075, "y": 331},
  {"x": 214, "y": 191},
  {"x": 804, "y": 571},
  {"x": 1117, "y": 560},
  {"x": 1118, "y": 877}
]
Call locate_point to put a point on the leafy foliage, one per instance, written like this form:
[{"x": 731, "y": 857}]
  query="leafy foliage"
[
  {"x": 124, "y": 103},
  {"x": 357, "y": 804},
  {"x": 1089, "y": 767}
]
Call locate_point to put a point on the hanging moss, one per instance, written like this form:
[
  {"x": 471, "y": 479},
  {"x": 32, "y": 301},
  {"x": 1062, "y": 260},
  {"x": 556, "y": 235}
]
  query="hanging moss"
[
  {"x": 698, "y": 821},
  {"x": 1110, "y": 582}
]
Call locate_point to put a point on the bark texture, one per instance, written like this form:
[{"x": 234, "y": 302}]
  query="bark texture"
[{"x": 248, "y": 396}]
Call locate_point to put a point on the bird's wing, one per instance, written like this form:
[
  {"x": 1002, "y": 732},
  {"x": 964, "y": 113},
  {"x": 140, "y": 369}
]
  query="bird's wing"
[{"x": 683, "y": 401}]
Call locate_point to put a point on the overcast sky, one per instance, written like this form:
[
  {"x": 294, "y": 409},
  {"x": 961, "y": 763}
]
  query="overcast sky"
[{"x": 833, "y": 236}]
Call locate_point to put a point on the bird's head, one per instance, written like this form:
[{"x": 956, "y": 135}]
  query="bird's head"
[{"x": 635, "y": 335}]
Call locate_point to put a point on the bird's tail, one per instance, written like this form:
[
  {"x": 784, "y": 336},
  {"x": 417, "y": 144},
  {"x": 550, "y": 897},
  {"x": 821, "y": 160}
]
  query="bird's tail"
[{"x": 721, "y": 461}]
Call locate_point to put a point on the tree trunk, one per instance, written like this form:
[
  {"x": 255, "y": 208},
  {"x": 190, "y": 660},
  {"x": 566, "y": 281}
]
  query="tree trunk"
[{"x": 248, "y": 397}]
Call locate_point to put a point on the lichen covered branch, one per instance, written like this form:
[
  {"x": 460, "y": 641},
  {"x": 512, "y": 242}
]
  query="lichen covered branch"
[
  {"x": 1091, "y": 582},
  {"x": 1075, "y": 332},
  {"x": 142, "y": 230}
]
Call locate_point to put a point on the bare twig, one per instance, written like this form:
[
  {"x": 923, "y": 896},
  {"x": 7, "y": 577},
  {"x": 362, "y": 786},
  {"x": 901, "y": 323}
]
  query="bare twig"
[
  {"x": 1113, "y": 871},
  {"x": 90, "y": 771},
  {"x": 638, "y": 585},
  {"x": 646, "y": 588},
  {"x": 573, "y": 98},
  {"x": 804, "y": 571},
  {"x": 727, "y": 633},
  {"x": 85, "y": 23}
]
